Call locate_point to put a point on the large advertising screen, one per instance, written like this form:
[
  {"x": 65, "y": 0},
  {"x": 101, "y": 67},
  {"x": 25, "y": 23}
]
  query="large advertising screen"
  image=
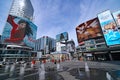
[
  {"x": 116, "y": 16},
  {"x": 19, "y": 31},
  {"x": 88, "y": 30},
  {"x": 62, "y": 37},
  {"x": 109, "y": 28}
]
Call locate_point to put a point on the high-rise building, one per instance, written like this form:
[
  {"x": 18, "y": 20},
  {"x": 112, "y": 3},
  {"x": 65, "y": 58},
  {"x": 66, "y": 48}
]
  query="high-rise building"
[
  {"x": 22, "y": 8},
  {"x": 21, "y": 12},
  {"x": 0, "y": 39},
  {"x": 17, "y": 40},
  {"x": 45, "y": 44}
]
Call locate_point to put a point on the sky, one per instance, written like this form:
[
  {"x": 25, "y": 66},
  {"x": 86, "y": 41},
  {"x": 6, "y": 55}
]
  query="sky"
[{"x": 53, "y": 17}]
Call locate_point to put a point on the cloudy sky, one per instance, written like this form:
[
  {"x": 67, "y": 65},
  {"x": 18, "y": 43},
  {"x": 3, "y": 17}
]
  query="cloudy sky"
[{"x": 56, "y": 16}]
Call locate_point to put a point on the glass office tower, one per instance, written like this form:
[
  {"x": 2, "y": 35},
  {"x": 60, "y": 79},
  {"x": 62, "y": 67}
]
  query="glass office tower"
[
  {"x": 20, "y": 11},
  {"x": 22, "y": 8},
  {"x": 45, "y": 44}
]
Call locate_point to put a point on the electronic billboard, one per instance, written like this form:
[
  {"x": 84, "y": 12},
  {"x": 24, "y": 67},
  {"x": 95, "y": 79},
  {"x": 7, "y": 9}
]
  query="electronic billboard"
[
  {"x": 109, "y": 28},
  {"x": 116, "y": 16},
  {"x": 62, "y": 37},
  {"x": 88, "y": 30}
]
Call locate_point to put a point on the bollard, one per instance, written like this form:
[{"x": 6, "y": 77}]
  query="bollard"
[
  {"x": 22, "y": 71},
  {"x": 86, "y": 67},
  {"x": 42, "y": 66},
  {"x": 12, "y": 70},
  {"x": 58, "y": 66},
  {"x": 32, "y": 65},
  {"x": 42, "y": 72},
  {"x": 25, "y": 64},
  {"x": 42, "y": 75},
  {"x": 7, "y": 66}
]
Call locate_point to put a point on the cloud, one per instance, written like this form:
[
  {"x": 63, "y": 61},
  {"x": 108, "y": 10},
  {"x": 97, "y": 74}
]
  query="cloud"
[{"x": 56, "y": 16}]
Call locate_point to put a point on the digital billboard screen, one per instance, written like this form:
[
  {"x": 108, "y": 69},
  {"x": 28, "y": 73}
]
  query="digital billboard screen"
[
  {"x": 88, "y": 30},
  {"x": 62, "y": 37},
  {"x": 116, "y": 16},
  {"x": 19, "y": 31},
  {"x": 109, "y": 28}
]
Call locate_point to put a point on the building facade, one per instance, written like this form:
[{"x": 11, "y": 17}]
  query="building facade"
[
  {"x": 66, "y": 46},
  {"x": 60, "y": 47},
  {"x": 45, "y": 44},
  {"x": 88, "y": 46},
  {"x": 22, "y": 8},
  {"x": 18, "y": 43},
  {"x": 71, "y": 46}
]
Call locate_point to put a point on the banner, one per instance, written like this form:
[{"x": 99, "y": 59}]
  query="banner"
[
  {"x": 62, "y": 37},
  {"x": 109, "y": 28},
  {"x": 19, "y": 31}
]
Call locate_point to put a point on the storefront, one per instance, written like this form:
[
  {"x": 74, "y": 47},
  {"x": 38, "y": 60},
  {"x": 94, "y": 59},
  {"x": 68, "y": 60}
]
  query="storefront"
[{"x": 62, "y": 56}]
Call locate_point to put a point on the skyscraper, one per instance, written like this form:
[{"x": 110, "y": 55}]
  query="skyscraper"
[
  {"x": 21, "y": 12},
  {"x": 45, "y": 44},
  {"x": 18, "y": 40},
  {"x": 22, "y": 8}
]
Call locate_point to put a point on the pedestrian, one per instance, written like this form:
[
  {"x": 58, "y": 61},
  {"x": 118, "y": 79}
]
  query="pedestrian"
[{"x": 55, "y": 62}]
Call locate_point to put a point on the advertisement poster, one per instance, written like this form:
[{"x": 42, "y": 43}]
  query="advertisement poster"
[
  {"x": 62, "y": 37},
  {"x": 109, "y": 28},
  {"x": 116, "y": 16},
  {"x": 88, "y": 30},
  {"x": 19, "y": 31}
]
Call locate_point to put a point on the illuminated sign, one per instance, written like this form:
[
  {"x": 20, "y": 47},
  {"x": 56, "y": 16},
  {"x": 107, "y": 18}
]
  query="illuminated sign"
[
  {"x": 88, "y": 30},
  {"x": 116, "y": 16},
  {"x": 109, "y": 28},
  {"x": 62, "y": 37}
]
